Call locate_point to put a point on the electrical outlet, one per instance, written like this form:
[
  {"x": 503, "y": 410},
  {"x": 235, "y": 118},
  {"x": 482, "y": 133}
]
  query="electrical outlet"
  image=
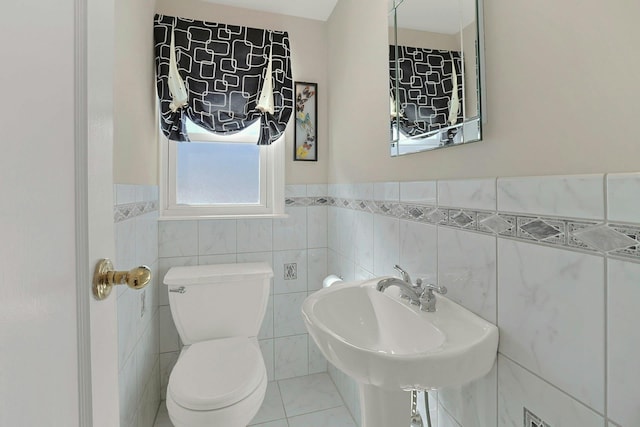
[
  {"x": 291, "y": 271},
  {"x": 532, "y": 420},
  {"x": 143, "y": 303}
]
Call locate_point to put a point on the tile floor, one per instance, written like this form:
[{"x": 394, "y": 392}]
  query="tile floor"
[{"x": 309, "y": 401}]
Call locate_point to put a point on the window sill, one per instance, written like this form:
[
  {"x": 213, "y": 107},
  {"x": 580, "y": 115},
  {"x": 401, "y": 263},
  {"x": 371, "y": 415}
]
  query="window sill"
[{"x": 197, "y": 217}]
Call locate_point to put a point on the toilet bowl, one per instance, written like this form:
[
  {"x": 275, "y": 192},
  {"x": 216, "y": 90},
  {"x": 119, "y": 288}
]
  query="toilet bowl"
[
  {"x": 220, "y": 377},
  {"x": 217, "y": 383}
]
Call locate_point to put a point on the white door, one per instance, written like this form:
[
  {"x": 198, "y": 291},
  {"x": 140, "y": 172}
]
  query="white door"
[{"x": 56, "y": 214}]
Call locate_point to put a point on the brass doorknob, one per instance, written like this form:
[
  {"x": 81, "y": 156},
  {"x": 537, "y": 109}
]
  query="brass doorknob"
[{"x": 105, "y": 278}]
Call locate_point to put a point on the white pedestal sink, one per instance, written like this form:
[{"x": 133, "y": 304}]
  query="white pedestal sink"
[{"x": 389, "y": 346}]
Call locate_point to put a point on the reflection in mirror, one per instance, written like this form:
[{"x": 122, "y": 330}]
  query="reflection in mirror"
[{"x": 434, "y": 70}]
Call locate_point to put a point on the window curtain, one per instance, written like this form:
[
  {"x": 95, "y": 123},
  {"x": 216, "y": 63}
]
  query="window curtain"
[
  {"x": 224, "y": 69},
  {"x": 429, "y": 88}
]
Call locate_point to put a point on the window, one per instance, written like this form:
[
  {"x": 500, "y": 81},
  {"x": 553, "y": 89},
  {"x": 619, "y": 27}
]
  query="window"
[{"x": 222, "y": 175}]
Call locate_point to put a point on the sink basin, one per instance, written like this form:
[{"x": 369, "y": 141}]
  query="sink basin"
[{"x": 382, "y": 341}]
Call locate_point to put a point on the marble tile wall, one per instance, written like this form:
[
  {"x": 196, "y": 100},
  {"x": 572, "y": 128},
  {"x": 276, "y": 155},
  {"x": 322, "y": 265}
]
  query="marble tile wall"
[
  {"x": 554, "y": 261},
  {"x": 136, "y": 238},
  {"x": 299, "y": 239}
]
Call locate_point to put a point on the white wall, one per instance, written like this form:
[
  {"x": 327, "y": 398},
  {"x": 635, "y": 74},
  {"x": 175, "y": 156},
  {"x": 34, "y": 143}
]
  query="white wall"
[
  {"x": 135, "y": 121},
  {"x": 561, "y": 91},
  {"x": 135, "y": 115},
  {"x": 359, "y": 114}
]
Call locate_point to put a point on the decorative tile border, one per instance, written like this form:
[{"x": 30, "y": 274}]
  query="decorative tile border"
[
  {"x": 532, "y": 420},
  {"x": 614, "y": 239},
  {"x": 306, "y": 201},
  {"x": 132, "y": 210}
]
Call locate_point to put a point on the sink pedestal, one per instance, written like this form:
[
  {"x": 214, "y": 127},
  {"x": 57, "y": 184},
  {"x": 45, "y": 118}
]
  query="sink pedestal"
[{"x": 384, "y": 408}]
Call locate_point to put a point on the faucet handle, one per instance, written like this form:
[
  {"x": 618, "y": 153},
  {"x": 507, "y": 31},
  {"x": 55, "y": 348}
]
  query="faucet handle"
[
  {"x": 427, "y": 298},
  {"x": 431, "y": 287},
  {"x": 403, "y": 273}
]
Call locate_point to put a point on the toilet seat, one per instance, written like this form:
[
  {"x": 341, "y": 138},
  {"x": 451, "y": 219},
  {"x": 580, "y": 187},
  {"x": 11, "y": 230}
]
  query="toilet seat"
[{"x": 215, "y": 374}]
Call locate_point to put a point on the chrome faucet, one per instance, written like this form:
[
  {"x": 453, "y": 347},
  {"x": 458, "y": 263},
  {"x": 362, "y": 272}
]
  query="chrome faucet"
[
  {"x": 419, "y": 294},
  {"x": 408, "y": 290}
]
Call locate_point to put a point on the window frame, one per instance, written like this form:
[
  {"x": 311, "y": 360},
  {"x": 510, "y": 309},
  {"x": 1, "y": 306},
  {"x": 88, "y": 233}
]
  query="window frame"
[{"x": 271, "y": 183}]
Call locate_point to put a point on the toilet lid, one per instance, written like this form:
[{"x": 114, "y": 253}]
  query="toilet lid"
[{"x": 215, "y": 374}]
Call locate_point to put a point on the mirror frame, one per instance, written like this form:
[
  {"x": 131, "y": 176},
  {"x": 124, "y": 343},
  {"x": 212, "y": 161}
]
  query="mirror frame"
[{"x": 477, "y": 121}]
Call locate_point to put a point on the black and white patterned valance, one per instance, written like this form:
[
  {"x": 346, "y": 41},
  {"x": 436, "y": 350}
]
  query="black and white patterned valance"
[
  {"x": 429, "y": 88},
  {"x": 224, "y": 69}
]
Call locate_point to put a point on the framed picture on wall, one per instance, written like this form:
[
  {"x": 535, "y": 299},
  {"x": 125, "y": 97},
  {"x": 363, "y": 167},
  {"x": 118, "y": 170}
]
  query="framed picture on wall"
[{"x": 306, "y": 133}]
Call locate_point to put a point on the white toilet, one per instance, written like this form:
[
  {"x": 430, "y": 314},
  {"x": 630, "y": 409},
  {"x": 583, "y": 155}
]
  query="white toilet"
[{"x": 220, "y": 378}]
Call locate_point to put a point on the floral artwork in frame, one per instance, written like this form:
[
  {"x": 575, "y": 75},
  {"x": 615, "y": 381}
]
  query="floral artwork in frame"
[{"x": 306, "y": 130}]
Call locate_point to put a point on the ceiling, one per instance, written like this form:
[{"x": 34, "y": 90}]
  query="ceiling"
[
  {"x": 311, "y": 9},
  {"x": 440, "y": 16}
]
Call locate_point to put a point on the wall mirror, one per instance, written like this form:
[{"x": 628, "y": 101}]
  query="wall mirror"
[{"x": 435, "y": 74}]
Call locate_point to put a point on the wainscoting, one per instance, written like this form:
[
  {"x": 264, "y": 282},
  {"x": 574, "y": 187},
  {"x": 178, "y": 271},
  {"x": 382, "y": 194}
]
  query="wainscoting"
[
  {"x": 136, "y": 238},
  {"x": 553, "y": 261}
]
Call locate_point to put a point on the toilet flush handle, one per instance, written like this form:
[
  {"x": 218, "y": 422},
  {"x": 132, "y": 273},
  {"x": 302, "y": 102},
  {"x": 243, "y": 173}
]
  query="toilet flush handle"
[{"x": 180, "y": 290}]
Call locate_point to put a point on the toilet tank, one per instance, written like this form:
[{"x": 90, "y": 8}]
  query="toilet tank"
[{"x": 218, "y": 301}]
